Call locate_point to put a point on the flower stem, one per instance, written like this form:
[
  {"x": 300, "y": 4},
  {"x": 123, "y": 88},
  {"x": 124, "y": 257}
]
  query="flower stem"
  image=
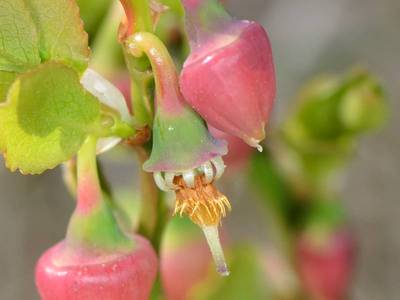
[
  {"x": 138, "y": 14},
  {"x": 92, "y": 225},
  {"x": 89, "y": 191},
  {"x": 153, "y": 217},
  {"x": 168, "y": 95},
  {"x": 154, "y": 211}
]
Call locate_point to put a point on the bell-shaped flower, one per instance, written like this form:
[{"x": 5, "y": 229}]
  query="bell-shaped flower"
[
  {"x": 185, "y": 158},
  {"x": 229, "y": 76}
]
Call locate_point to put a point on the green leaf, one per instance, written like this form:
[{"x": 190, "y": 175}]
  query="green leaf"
[
  {"x": 19, "y": 40},
  {"x": 46, "y": 118},
  {"x": 93, "y": 13},
  {"x": 35, "y": 31},
  {"x": 6, "y": 79},
  {"x": 61, "y": 32}
]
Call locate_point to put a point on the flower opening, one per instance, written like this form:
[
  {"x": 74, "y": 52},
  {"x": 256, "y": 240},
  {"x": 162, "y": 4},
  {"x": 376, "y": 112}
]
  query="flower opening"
[
  {"x": 199, "y": 199},
  {"x": 203, "y": 204}
]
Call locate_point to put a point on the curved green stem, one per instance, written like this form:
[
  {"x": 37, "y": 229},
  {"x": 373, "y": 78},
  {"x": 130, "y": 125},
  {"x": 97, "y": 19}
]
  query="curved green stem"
[
  {"x": 122, "y": 129},
  {"x": 168, "y": 95},
  {"x": 69, "y": 176},
  {"x": 92, "y": 225},
  {"x": 138, "y": 13}
]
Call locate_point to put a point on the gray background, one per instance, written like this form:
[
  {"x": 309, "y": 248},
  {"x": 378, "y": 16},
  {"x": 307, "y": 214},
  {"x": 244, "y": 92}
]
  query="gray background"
[{"x": 308, "y": 37}]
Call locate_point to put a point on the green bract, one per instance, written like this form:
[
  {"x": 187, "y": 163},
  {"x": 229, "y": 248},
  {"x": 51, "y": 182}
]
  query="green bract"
[{"x": 46, "y": 118}]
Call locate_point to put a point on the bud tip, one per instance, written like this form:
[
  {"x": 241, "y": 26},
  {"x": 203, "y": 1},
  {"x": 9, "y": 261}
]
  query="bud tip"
[{"x": 255, "y": 143}]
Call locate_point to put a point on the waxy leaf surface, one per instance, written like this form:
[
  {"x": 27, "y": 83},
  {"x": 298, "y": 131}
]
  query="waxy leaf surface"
[
  {"x": 19, "y": 40},
  {"x": 6, "y": 79},
  {"x": 46, "y": 118},
  {"x": 36, "y": 31}
]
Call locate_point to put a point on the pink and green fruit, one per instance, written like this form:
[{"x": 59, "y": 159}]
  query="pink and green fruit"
[{"x": 66, "y": 274}]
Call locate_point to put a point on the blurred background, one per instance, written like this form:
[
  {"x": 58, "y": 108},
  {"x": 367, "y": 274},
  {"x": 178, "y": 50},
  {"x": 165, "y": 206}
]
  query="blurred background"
[{"x": 309, "y": 38}]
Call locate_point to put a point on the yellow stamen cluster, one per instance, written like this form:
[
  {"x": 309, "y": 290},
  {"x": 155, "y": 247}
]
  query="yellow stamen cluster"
[{"x": 203, "y": 204}]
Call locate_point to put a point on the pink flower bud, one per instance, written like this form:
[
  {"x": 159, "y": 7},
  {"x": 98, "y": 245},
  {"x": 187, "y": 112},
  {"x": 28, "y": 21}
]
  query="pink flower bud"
[
  {"x": 325, "y": 266},
  {"x": 229, "y": 76}
]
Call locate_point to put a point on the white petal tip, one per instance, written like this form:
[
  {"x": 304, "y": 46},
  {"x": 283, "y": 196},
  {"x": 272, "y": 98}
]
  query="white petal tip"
[
  {"x": 219, "y": 166},
  {"x": 105, "y": 144},
  {"x": 105, "y": 92},
  {"x": 189, "y": 178},
  {"x": 160, "y": 181},
  {"x": 109, "y": 95},
  {"x": 255, "y": 143}
]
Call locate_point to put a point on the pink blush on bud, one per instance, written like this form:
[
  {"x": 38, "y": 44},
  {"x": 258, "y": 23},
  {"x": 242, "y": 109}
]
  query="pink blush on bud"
[
  {"x": 191, "y": 4},
  {"x": 89, "y": 195},
  {"x": 233, "y": 87}
]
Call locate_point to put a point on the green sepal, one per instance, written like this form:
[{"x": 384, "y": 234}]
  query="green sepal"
[
  {"x": 97, "y": 229},
  {"x": 364, "y": 107},
  {"x": 181, "y": 142}
]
